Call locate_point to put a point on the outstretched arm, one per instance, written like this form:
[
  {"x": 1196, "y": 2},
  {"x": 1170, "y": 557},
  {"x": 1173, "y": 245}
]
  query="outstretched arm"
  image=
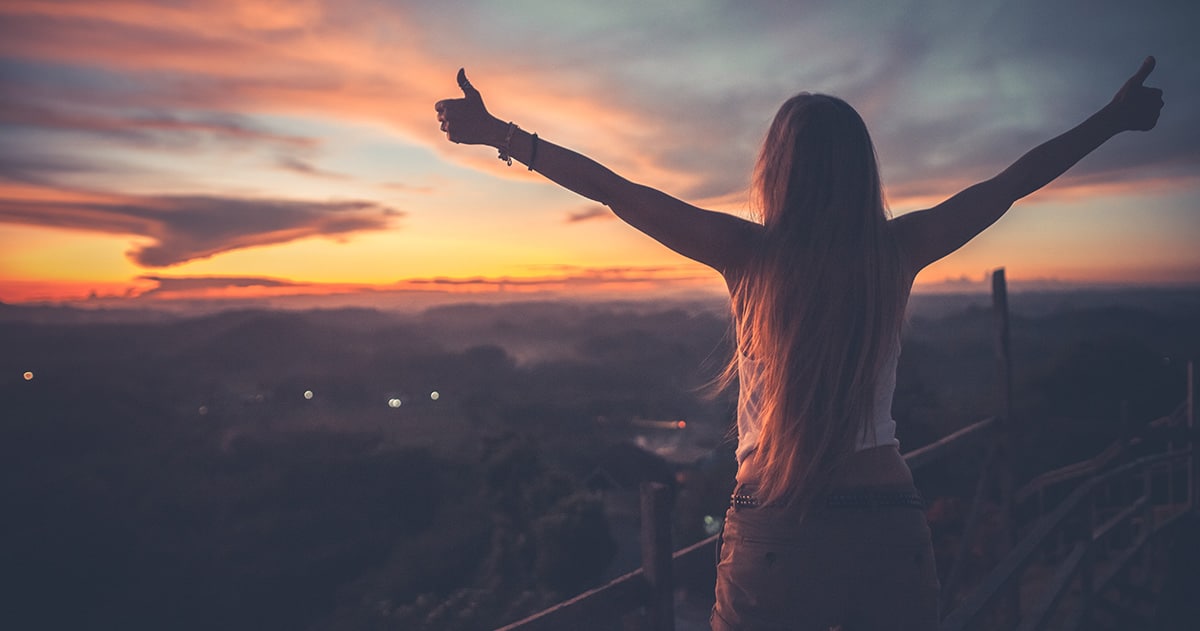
[
  {"x": 718, "y": 240},
  {"x": 931, "y": 234}
]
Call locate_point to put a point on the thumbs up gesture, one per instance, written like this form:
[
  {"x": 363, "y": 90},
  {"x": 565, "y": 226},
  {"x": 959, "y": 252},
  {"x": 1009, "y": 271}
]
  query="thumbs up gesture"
[
  {"x": 1136, "y": 106},
  {"x": 467, "y": 120}
]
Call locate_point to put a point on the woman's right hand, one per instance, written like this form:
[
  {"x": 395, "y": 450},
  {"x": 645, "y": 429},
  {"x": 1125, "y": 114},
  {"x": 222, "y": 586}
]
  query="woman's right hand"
[
  {"x": 467, "y": 120},
  {"x": 1135, "y": 106}
]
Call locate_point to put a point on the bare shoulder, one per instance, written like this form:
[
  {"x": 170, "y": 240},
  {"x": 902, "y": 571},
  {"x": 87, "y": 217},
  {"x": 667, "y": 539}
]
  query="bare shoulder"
[
  {"x": 745, "y": 240},
  {"x": 910, "y": 231}
]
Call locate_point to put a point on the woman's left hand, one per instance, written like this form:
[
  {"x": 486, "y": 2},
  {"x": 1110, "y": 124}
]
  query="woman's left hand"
[{"x": 467, "y": 120}]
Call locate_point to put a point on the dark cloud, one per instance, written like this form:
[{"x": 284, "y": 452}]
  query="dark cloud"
[
  {"x": 589, "y": 213},
  {"x": 953, "y": 92},
  {"x": 192, "y": 227},
  {"x": 967, "y": 90}
]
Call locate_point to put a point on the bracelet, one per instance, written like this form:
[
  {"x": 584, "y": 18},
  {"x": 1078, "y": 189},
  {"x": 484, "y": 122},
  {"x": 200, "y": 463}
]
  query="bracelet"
[
  {"x": 504, "y": 151},
  {"x": 533, "y": 152}
]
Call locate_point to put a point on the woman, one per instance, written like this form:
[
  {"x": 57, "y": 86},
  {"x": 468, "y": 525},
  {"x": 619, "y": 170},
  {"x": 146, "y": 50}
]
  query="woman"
[{"x": 825, "y": 527}]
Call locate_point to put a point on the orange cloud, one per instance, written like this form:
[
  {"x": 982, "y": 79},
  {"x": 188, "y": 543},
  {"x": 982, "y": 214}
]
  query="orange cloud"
[{"x": 218, "y": 56}]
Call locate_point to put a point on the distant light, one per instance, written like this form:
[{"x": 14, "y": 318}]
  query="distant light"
[
  {"x": 203, "y": 410},
  {"x": 681, "y": 424},
  {"x": 708, "y": 519},
  {"x": 308, "y": 394},
  {"x": 29, "y": 376},
  {"x": 434, "y": 395},
  {"x": 394, "y": 403}
]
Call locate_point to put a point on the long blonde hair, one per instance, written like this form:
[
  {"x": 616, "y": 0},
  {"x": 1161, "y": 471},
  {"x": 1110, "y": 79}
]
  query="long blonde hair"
[{"x": 821, "y": 304}]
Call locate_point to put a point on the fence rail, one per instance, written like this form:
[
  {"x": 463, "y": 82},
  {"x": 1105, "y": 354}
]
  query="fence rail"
[
  {"x": 650, "y": 589},
  {"x": 633, "y": 591}
]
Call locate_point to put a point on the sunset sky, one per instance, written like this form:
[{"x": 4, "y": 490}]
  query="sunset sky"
[{"x": 157, "y": 151}]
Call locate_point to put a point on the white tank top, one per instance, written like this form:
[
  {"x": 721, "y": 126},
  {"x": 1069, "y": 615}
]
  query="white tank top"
[{"x": 881, "y": 431}]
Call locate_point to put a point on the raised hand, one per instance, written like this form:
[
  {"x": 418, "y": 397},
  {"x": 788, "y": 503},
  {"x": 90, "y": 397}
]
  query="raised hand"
[
  {"x": 1136, "y": 106},
  {"x": 467, "y": 120}
]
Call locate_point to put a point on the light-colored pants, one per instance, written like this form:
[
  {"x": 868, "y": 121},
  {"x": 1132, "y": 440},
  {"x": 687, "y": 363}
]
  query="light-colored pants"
[{"x": 857, "y": 568}]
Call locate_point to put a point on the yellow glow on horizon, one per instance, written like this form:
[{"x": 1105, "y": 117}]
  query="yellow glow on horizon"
[{"x": 55, "y": 254}]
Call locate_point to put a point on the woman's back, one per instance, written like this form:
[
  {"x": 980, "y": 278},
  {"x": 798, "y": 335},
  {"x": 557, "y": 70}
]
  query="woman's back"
[
  {"x": 818, "y": 304},
  {"x": 879, "y": 432}
]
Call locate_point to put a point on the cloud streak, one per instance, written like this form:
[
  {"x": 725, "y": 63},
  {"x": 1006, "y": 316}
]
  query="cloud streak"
[{"x": 185, "y": 228}]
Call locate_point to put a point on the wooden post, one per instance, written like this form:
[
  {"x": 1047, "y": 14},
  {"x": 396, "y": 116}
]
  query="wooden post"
[
  {"x": 1194, "y": 460},
  {"x": 1004, "y": 388},
  {"x": 656, "y": 556},
  {"x": 1008, "y": 437}
]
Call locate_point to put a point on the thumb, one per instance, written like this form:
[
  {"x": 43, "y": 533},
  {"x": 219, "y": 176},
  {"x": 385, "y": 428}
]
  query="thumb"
[
  {"x": 469, "y": 90},
  {"x": 1140, "y": 75}
]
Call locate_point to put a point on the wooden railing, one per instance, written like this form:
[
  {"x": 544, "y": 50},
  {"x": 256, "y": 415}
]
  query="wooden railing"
[
  {"x": 650, "y": 588},
  {"x": 644, "y": 598},
  {"x": 1094, "y": 562}
]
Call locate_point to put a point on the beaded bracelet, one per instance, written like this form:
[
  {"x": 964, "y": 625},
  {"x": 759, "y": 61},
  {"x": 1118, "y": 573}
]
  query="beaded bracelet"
[{"x": 504, "y": 151}]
